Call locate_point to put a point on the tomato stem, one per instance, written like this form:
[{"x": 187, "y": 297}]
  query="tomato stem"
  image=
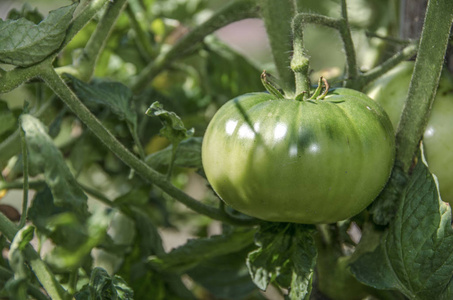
[
  {"x": 425, "y": 79},
  {"x": 299, "y": 61}
]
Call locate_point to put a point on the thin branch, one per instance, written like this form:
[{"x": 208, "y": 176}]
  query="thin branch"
[
  {"x": 407, "y": 53},
  {"x": 98, "y": 40},
  {"x": 23, "y": 217},
  {"x": 343, "y": 28},
  {"x": 142, "y": 40},
  {"x": 351, "y": 60}
]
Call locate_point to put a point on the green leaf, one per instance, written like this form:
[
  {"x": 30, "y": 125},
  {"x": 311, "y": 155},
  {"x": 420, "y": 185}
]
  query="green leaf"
[
  {"x": 196, "y": 251},
  {"x": 415, "y": 254},
  {"x": 16, "y": 287},
  {"x": 173, "y": 127},
  {"x": 22, "y": 43},
  {"x": 95, "y": 230},
  {"x": 113, "y": 95},
  {"x": 144, "y": 281},
  {"x": 287, "y": 253},
  {"x": 188, "y": 155},
  {"x": 225, "y": 276},
  {"x": 103, "y": 286},
  {"x": 385, "y": 206},
  {"x": 45, "y": 157},
  {"x": 26, "y": 12},
  {"x": 7, "y": 119}
]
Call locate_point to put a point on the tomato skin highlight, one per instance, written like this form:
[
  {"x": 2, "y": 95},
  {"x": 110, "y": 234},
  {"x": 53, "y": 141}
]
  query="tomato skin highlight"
[
  {"x": 390, "y": 91},
  {"x": 308, "y": 162}
]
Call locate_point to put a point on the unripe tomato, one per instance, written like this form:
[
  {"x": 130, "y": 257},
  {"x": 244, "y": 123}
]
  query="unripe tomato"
[
  {"x": 390, "y": 92},
  {"x": 284, "y": 160}
]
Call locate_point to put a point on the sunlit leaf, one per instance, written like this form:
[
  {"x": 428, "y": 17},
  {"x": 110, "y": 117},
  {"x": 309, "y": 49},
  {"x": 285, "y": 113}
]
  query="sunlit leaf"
[{"x": 287, "y": 253}]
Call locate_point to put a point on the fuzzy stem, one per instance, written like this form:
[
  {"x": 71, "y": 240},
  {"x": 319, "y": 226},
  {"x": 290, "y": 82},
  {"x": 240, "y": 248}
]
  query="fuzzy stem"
[
  {"x": 300, "y": 62},
  {"x": 427, "y": 70},
  {"x": 351, "y": 61},
  {"x": 380, "y": 70}
]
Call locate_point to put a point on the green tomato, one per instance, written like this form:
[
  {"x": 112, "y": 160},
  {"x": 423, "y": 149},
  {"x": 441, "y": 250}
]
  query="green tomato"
[
  {"x": 390, "y": 92},
  {"x": 284, "y": 160}
]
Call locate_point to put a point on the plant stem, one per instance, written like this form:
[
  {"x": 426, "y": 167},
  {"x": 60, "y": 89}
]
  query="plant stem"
[
  {"x": 300, "y": 62},
  {"x": 427, "y": 70},
  {"x": 138, "y": 143},
  {"x": 12, "y": 79},
  {"x": 142, "y": 40},
  {"x": 380, "y": 70},
  {"x": 234, "y": 11},
  {"x": 98, "y": 195},
  {"x": 98, "y": 39},
  {"x": 34, "y": 185},
  {"x": 41, "y": 270},
  {"x": 343, "y": 28},
  {"x": 276, "y": 15},
  {"x": 23, "y": 217},
  {"x": 60, "y": 88},
  {"x": 345, "y": 32}
]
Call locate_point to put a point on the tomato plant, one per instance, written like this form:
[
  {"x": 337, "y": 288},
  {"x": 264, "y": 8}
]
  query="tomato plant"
[
  {"x": 390, "y": 91},
  {"x": 306, "y": 161},
  {"x": 104, "y": 106}
]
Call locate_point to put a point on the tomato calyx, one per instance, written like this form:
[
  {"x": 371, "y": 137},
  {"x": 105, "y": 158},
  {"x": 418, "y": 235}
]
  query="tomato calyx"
[
  {"x": 322, "y": 82},
  {"x": 271, "y": 85}
]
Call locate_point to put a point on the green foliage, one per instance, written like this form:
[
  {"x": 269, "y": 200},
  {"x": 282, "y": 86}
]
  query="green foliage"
[
  {"x": 23, "y": 43},
  {"x": 196, "y": 251},
  {"x": 189, "y": 155},
  {"x": 103, "y": 286},
  {"x": 173, "y": 127},
  {"x": 105, "y": 223},
  {"x": 286, "y": 254},
  {"x": 7, "y": 119},
  {"x": 422, "y": 225},
  {"x": 45, "y": 157}
]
